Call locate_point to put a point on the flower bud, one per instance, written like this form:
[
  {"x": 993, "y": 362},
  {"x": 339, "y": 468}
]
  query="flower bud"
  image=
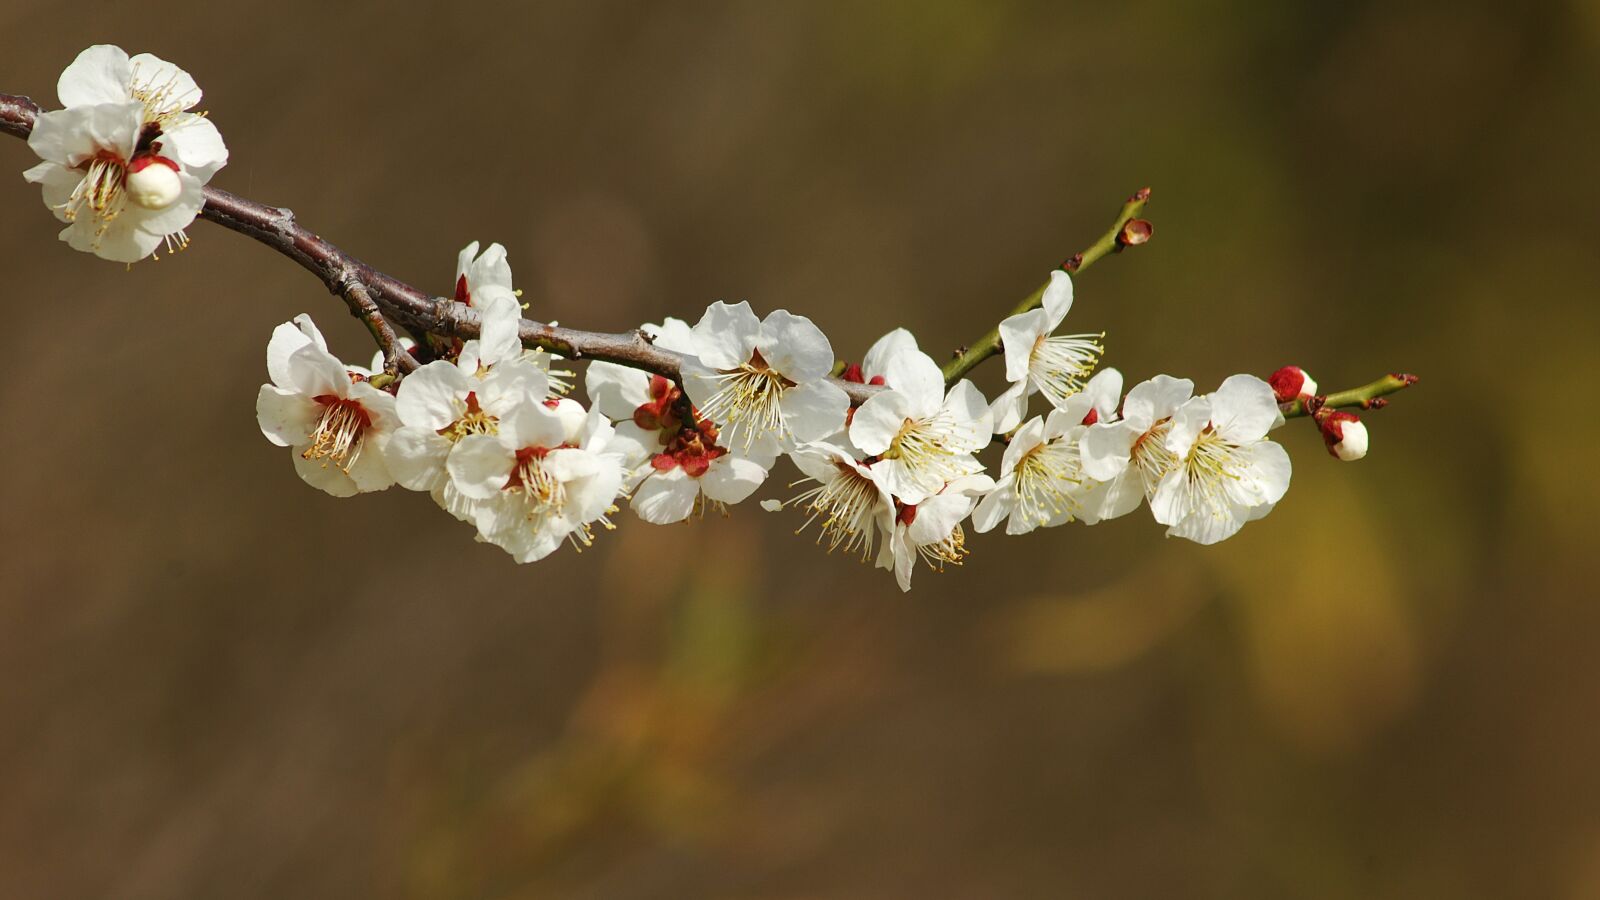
[
  {"x": 1345, "y": 435},
  {"x": 1290, "y": 383},
  {"x": 153, "y": 182}
]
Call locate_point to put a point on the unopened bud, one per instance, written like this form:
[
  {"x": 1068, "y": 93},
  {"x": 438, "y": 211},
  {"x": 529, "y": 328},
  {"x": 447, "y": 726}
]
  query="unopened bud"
[
  {"x": 852, "y": 373},
  {"x": 1345, "y": 435},
  {"x": 153, "y": 182},
  {"x": 1290, "y": 383},
  {"x": 1134, "y": 232}
]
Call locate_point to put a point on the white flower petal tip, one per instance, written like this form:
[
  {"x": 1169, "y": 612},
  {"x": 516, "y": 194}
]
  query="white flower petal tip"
[
  {"x": 1345, "y": 435},
  {"x": 772, "y": 505}
]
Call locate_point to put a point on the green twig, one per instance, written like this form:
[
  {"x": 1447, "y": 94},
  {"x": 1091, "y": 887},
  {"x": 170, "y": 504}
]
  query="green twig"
[
  {"x": 1127, "y": 230},
  {"x": 1368, "y": 396}
]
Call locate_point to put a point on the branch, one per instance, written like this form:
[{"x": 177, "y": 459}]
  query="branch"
[
  {"x": 1368, "y": 396},
  {"x": 1127, "y": 231},
  {"x": 396, "y": 358},
  {"x": 276, "y": 227}
]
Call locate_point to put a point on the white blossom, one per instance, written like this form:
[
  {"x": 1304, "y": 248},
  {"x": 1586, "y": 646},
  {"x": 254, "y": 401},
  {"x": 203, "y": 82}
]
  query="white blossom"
[
  {"x": 444, "y": 401},
  {"x": 541, "y": 479},
  {"x": 932, "y": 529},
  {"x": 763, "y": 382},
  {"x": 1043, "y": 481},
  {"x": 849, "y": 502},
  {"x": 1130, "y": 455},
  {"x": 335, "y": 422},
  {"x": 1039, "y": 361},
  {"x": 925, "y": 436},
  {"x": 1227, "y": 472},
  {"x": 125, "y": 162}
]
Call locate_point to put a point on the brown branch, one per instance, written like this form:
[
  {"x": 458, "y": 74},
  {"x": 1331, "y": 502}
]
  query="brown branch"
[
  {"x": 397, "y": 360},
  {"x": 276, "y": 227}
]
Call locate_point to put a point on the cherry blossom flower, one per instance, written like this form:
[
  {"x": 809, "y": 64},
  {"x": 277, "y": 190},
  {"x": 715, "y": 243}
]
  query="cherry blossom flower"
[
  {"x": 336, "y": 423},
  {"x": 540, "y": 480},
  {"x": 1039, "y": 361},
  {"x": 932, "y": 529},
  {"x": 124, "y": 163},
  {"x": 444, "y": 401},
  {"x": 1130, "y": 455},
  {"x": 925, "y": 436},
  {"x": 688, "y": 468},
  {"x": 1043, "y": 482},
  {"x": 849, "y": 501},
  {"x": 763, "y": 382},
  {"x": 1227, "y": 472}
]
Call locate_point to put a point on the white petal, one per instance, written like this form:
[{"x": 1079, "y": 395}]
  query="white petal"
[
  {"x": 1019, "y": 334},
  {"x": 1271, "y": 470},
  {"x": 814, "y": 410},
  {"x": 196, "y": 143},
  {"x": 71, "y": 136},
  {"x": 666, "y": 497},
  {"x": 1187, "y": 423},
  {"x": 370, "y": 471},
  {"x": 491, "y": 270},
  {"x": 905, "y": 559},
  {"x": 794, "y": 347},
  {"x": 123, "y": 242},
  {"x": 502, "y": 314},
  {"x": 1156, "y": 399},
  {"x": 533, "y": 425},
  {"x": 510, "y": 383},
  {"x": 1009, "y": 408},
  {"x": 877, "y": 421},
  {"x": 314, "y": 372},
  {"x": 285, "y": 340},
  {"x": 937, "y": 517},
  {"x": 152, "y": 73},
  {"x": 1119, "y": 496},
  {"x": 915, "y": 375},
  {"x": 58, "y": 183},
  {"x": 1244, "y": 409},
  {"x": 416, "y": 458},
  {"x": 286, "y": 417},
  {"x": 731, "y": 479},
  {"x": 726, "y": 335},
  {"x": 1057, "y": 300},
  {"x": 974, "y": 423},
  {"x": 878, "y": 355},
  {"x": 673, "y": 334},
  {"x": 1027, "y": 437},
  {"x": 379, "y": 406},
  {"x": 1207, "y": 526},
  {"x": 480, "y": 466},
  {"x": 616, "y": 390},
  {"x": 699, "y": 381},
  {"x": 1106, "y": 449},
  {"x": 1104, "y": 391},
  {"x": 431, "y": 397},
  {"x": 1169, "y": 503},
  {"x": 323, "y": 475},
  {"x": 99, "y": 74}
]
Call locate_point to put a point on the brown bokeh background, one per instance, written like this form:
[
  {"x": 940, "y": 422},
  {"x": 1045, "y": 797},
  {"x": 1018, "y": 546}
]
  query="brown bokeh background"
[{"x": 216, "y": 682}]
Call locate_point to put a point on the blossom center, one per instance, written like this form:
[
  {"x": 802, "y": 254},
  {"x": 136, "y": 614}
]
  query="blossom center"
[
  {"x": 1060, "y": 363},
  {"x": 1211, "y": 463},
  {"x": 473, "y": 420},
  {"x": 845, "y": 507},
  {"x": 1047, "y": 479},
  {"x": 340, "y": 433},
  {"x": 1150, "y": 456},
  {"x": 748, "y": 402},
  {"x": 932, "y": 451}
]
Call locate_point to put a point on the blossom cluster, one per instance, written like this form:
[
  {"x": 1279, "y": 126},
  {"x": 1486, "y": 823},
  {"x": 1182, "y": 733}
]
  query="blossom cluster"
[{"x": 488, "y": 431}]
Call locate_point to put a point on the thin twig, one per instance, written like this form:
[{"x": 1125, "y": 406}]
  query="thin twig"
[
  {"x": 1368, "y": 396},
  {"x": 1118, "y": 236},
  {"x": 405, "y": 304},
  {"x": 396, "y": 359}
]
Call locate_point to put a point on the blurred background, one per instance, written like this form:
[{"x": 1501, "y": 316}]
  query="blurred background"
[{"x": 217, "y": 682}]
